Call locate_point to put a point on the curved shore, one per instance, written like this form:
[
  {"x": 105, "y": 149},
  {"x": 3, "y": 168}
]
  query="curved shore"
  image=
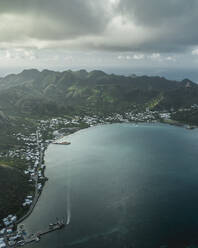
[
  {"x": 38, "y": 193},
  {"x": 52, "y": 201}
]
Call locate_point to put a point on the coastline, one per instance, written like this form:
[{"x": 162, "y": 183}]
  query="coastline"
[
  {"x": 42, "y": 149},
  {"x": 35, "y": 200},
  {"x": 37, "y": 192},
  {"x": 123, "y": 123},
  {"x": 179, "y": 124}
]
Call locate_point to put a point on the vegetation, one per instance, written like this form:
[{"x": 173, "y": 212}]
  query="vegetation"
[
  {"x": 190, "y": 116},
  {"x": 32, "y": 95},
  {"x": 14, "y": 187}
]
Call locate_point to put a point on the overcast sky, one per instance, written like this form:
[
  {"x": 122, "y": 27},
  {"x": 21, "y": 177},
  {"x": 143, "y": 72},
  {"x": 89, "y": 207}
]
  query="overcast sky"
[{"x": 133, "y": 34}]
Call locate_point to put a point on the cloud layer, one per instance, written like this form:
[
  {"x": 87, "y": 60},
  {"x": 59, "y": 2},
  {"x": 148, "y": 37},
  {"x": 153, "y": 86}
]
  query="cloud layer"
[{"x": 114, "y": 25}]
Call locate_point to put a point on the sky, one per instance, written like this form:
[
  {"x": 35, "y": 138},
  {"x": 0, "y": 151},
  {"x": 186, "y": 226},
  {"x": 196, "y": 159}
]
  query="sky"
[{"x": 124, "y": 36}]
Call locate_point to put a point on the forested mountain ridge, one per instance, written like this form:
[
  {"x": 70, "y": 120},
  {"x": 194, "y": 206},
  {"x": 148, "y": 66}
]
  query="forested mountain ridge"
[{"x": 49, "y": 92}]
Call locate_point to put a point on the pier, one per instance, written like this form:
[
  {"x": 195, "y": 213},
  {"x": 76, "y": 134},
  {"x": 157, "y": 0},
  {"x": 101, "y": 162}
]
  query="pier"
[{"x": 37, "y": 236}]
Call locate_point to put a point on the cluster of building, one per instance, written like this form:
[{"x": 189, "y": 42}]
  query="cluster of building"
[
  {"x": 2, "y": 243},
  {"x": 130, "y": 116},
  {"x": 27, "y": 201},
  {"x": 192, "y": 107},
  {"x": 32, "y": 146},
  {"x": 7, "y": 231},
  {"x": 54, "y": 123},
  {"x": 90, "y": 120},
  {"x": 11, "y": 219},
  {"x": 165, "y": 115},
  {"x": 9, "y": 238}
]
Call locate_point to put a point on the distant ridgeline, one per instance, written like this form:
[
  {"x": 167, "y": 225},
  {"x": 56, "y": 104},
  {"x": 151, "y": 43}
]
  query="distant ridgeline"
[{"x": 32, "y": 92}]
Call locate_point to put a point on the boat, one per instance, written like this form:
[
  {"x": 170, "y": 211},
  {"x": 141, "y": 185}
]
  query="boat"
[
  {"x": 61, "y": 225},
  {"x": 190, "y": 127}
]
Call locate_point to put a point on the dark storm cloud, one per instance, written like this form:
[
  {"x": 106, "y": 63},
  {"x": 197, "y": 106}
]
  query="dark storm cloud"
[
  {"x": 158, "y": 12},
  {"x": 49, "y": 19},
  {"x": 125, "y": 25},
  {"x": 173, "y": 22}
]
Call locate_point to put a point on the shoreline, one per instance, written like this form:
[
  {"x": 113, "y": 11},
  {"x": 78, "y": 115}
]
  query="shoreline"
[
  {"x": 161, "y": 122},
  {"x": 37, "y": 193},
  {"x": 171, "y": 122}
]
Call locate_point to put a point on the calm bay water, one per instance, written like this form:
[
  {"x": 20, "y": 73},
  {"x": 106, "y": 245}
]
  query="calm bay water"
[{"x": 122, "y": 186}]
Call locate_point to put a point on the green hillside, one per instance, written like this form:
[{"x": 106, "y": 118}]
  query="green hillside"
[
  {"x": 14, "y": 187},
  {"x": 31, "y": 95},
  {"x": 50, "y": 93}
]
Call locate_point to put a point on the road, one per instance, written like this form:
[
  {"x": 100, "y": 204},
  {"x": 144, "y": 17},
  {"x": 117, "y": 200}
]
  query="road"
[{"x": 37, "y": 192}]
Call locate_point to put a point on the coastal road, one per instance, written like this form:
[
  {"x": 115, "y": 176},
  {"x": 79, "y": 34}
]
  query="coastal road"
[{"x": 37, "y": 192}]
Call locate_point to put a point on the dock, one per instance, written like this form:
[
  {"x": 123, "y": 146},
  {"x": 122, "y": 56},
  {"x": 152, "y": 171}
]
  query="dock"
[
  {"x": 52, "y": 228},
  {"x": 37, "y": 236}
]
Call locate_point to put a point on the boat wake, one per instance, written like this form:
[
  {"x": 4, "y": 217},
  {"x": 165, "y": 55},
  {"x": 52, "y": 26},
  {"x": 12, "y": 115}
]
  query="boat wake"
[
  {"x": 68, "y": 199},
  {"x": 68, "y": 207}
]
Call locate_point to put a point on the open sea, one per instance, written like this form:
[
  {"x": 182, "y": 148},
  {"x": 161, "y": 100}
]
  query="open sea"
[{"x": 121, "y": 186}]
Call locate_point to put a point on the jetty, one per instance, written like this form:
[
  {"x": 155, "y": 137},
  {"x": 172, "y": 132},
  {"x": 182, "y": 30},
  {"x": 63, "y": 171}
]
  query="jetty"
[{"x": 35, "y": 237}]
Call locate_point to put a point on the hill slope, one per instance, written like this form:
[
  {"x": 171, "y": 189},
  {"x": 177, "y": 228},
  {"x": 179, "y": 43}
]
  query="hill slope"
[
  {"x": 15, "y": 187},
  {"x": 48, "y": 92}
]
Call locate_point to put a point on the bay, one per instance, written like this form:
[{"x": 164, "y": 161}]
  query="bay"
[{"x": 121, "y": 185}]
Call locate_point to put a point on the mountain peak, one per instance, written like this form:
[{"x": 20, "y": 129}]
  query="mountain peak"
[
  {"x": 29, "y": 72},
  {"x": 97, "y": 73}
]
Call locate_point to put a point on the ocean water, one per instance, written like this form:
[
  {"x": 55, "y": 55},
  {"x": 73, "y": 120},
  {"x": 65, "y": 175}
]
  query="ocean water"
[{"x": 121, "y": 185}]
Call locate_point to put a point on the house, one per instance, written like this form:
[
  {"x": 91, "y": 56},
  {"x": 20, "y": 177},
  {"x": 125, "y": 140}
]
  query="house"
[
  {"x": 9, "y": 231},
  {"x": 39, "y": 186},
  {"x": 26, "y": 172},
  {"x": 2, "y": 231},
  {"x": 2, "y": 244},
  {"x": 13, "y": 219},
  {"x": 14, "y": 238},
  {"x": 7, "y": 223},
  {"x": 11, "y": 243}
]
